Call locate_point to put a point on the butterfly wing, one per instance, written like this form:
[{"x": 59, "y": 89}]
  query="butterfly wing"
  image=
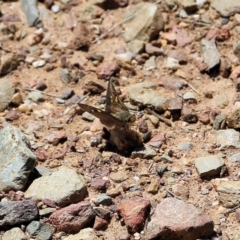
[
  {"x": 114, "y": 105},
  {"x": 105, "y": 118}
]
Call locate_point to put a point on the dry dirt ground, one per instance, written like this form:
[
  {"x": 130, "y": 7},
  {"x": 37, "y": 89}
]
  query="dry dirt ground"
[{"x": 51, "y": 116}]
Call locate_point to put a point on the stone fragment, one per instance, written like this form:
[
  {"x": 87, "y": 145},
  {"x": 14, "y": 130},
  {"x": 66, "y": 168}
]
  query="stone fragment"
[
  {"x": 72, "y": 218},
  {"x": 189, "y": 6},
  {"x": 134, "y": 212},
  {"x": 6, "y": 93},
  {"x": 17, "y": 212},
  {"x": 84, "y": 234},
  {"x": 188, "y": 114},
  {"x": 167, "y": 222},
  {"x": 209, "y": 166},
  {"x": 229, "y": 193},
  {"x": 36, "y": 96},
  {"x": 29, "y": 7},
  {"x": 235, "y": 158},
  {"x": 144, "y": 26},
  {"x": 210, "y": 53},
  {"x": 233, "y": 118},
  {"x": 218, "y": 121},
  {"x": 144, "y": 152},
  {"x": 144, "y": 94},
  {"x": 14, "y": 234},
  {"x": 185, "y": 146},
  {"x": 40, "y": 230},
  {"x": 119, "y": 176},
  {"x": 226, "y": 8},
  {"x": 152, "y": 50},
  {"x": 106, "y": 70},
  {"x": 228, "y": 138},
  {"x": 17, "y": 161},
  {"x": 64, "y": 186},
  {"x": 103, "y": 200},
  {"x": 172, "y": 83}
]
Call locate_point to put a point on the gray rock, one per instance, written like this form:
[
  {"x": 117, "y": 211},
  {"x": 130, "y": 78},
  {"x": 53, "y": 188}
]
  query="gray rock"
[
  {"x": 17, "y": 161},
  {"x": 88, "y": 116},
  {"x": 210, "y": 53},
  {"x": 104, "y": 200},
  {"x": 186, "y": 146},
  {"x": 228, "y": 138},
  {"x": 63, "y": 187},
  {"x": 226, "y": 8},
  {"x": 40, "y": 230},
  {"x": 150, "y": 63},
  {"x": 144, "y": 152},
  {"x": 65, "y": 76},
  {"x": 29, "y": 7},
  {"x": 173, "y": 218},
  {"x": 189, "y": 96},
  {"x": 45, "y": 212},
  {"x": 229, "y": 193},
  {"x": 144, "y": 94},
  {"x": 144, "y": 26},
  {"x": 17, "y": 212},
  {"x": 235, "y": 157},
  {"x": 36, "y": 96},
  {"x": 209, "y": 166},
  {"x": 218, "y": 121},
  {"x": 84, "y": 234},
  {"x": 7, "y": 90},
  {"x": 14, "y": 234}
]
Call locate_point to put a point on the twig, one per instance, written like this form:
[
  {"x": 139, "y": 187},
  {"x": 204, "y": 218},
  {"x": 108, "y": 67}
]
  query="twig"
[
  {"x": 48, "y": 94},
  {"x": 172, "y": 194},
  {"x": 163, "y": 119},
  {"x": 231, "y": 210},
  {"x": 197, "y": 22},
  {"x": 112, "y": 28}
]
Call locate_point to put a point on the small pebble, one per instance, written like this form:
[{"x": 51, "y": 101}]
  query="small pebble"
[
  {"x": 39, "y": 63},
  {"x": 41, "y": 86},
  {"x": 55, "y": 8},
  {"x": 87, "y": 116}
]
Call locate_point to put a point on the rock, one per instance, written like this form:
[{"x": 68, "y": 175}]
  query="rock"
[
  {"x": 99, "y": 184},
  {"x": 106, "y": 70},
  {"x": 229, "y": 192},
  {"x": 144, "y": 94},
  {"x": 142, "y": 126},
  {"x": 93, "y": 87},
  {"x": 189, "y": 6},
  {"x": 17, "y": 98},
  {"x": 236, "y": 49},
  {"x": 104, "y": 200},
  {"x": 125, "y": 57},
  {"x": 189, "y": 96},
  {"x": 143, "y": 152},
  {"x": 188, "y": 114},
  {"x": 178, "y": 55},
  {"x": 17, "y": 161},
  {"x": 172, "y": 83},
  {"x": 144, "y": 26},
  {"x": 40, "y": 230},
  {"x": 64, "y": 186},
  {"x": 209, "y": 166},
  {"x": 7, "y": 91},
  {"x": 153, "y": 187},
  {"x": 81, "y": 37},
  {"x": 210, "y": 53},
  {"x": 36, "y": 96},
  {"x": 72, "y": 218},
  {"x": 84, "y": 234},
  {"x": 227, "y": 138},
  {"x": 186, "y": 146},
  {"x": 152, "y": 50},
  {"x": 39, "y": 63},
  {"x": 226, "y": 9},
  {"x": 9, "y": 63},
  {"x": 29, "y": 7},
  {"x": 14, "y": 234},
  {"x": 88, "y": 116},
  {"x": 119, "y": 176},
  {"x": 235, "y": 158},
  {"x": 134, "y": 212},
  {"x": 172, "y": 63},
  {"x": 17, "y": 212},
  {"x": 221, "y": 100},
  {"x": 99, "y": 223},
  {"x": 150, "y": 63},
  {"x": 233, "y": 119},
  {"x": 102, "y": 212},
  {"x": 219, "y": 119},
  {"x": 167, "y": 222}
]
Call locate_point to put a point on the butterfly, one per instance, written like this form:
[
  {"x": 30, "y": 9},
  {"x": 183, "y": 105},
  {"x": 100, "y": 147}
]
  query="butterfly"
[{"x": 116, "y": 114}]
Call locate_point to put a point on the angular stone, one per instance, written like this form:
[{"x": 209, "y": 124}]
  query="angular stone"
[
  {"x": 144, "y": 152},
  {"x": 17, "y": 161},
  {"x": 134, "y": 212},
  {"x": 229, "y": 193},
  {"x": 85, "y": 234},
  {"x": 72, "y": 218},
  {"x": 40, "y": 230},
  {"x": 233, "y": 119},
  {"x": 145, "y": 25},
  {"x": 17, "y": 212},
  {"x": 14, "y": 234},
  {"x": 63, "y": 187},
  {"x": 173, "y": 218},
  {"x": 226, "y": 8},
  {"x": 228, "y": 138},
  {"x": 6, "y": 93},
  {"x": 209, "y": 166}
]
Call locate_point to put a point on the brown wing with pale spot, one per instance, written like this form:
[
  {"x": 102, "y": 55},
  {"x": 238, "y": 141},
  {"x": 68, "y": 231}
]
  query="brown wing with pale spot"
[{"x": 104, "y": 117}]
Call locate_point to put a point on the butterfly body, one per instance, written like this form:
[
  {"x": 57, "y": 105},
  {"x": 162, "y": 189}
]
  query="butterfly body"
[{"x": 116, "y": 114}]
